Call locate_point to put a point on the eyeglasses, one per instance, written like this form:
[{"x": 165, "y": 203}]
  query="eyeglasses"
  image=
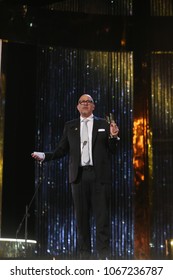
[{"x": 85, "y": 101}]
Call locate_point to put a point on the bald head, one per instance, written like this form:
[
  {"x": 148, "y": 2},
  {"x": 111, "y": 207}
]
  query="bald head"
[{"x": 85, "y": 97}]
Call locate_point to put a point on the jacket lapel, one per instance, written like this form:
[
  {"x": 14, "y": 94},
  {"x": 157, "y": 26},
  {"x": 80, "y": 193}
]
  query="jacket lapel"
[
  {"x": 95, "y": 129},
  {"x": 77, "y": 130}
]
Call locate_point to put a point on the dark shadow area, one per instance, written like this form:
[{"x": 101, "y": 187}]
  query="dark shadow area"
[{"x": 18, "y": 172}]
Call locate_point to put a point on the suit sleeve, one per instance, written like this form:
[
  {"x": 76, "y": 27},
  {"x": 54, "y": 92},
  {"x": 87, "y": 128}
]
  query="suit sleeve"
[
  {"x": 113, "y": 143},
  {"x": 61, "y": 149}
]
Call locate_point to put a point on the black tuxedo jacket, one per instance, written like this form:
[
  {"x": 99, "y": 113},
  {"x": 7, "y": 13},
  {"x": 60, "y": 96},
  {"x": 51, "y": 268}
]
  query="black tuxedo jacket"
[{"x": 102, "y": 148}]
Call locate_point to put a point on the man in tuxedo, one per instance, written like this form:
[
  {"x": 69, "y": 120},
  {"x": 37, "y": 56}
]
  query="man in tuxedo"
[{"x": 89, "y": 141}]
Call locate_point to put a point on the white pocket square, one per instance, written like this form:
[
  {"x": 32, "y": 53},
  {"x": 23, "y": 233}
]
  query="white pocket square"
[{"x": 101, "y": 129}]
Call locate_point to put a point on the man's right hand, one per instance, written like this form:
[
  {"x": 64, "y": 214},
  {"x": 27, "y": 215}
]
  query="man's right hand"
[{"x": 38, "y": 156}]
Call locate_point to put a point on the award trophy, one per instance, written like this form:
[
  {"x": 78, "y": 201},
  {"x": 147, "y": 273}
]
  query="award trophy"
[{"x": 110, "y": 119}]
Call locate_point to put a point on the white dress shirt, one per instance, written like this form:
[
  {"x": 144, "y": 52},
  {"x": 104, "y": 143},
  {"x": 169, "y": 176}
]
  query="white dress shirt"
[{"x": 90, "y": 129}]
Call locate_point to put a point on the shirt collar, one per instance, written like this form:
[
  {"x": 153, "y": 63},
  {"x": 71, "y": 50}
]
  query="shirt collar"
[{"x": 90, "y": 118}]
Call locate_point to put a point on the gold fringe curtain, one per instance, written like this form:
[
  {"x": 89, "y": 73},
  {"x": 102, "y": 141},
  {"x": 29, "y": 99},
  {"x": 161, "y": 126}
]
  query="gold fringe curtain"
[
  {"x": 161, "y": 7},
  {"x": 162, "y": 147},
  {"x": 104, "y": 7}
]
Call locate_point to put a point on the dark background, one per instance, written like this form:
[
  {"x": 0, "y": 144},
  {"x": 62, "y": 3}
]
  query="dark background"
[{"x": 18, "y": 170}]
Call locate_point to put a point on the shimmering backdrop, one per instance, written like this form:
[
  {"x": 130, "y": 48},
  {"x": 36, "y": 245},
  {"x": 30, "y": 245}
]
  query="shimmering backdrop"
[
  {"x": 162, "y": 155},
  {"x": 161, "y": 7},
  {"x": 64, "y": 74},
  {"x": 107, "y": 7}
]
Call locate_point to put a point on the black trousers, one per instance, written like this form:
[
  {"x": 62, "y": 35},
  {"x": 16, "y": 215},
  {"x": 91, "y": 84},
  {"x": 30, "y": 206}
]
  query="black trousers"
[{"x": 90, "y": 196}]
